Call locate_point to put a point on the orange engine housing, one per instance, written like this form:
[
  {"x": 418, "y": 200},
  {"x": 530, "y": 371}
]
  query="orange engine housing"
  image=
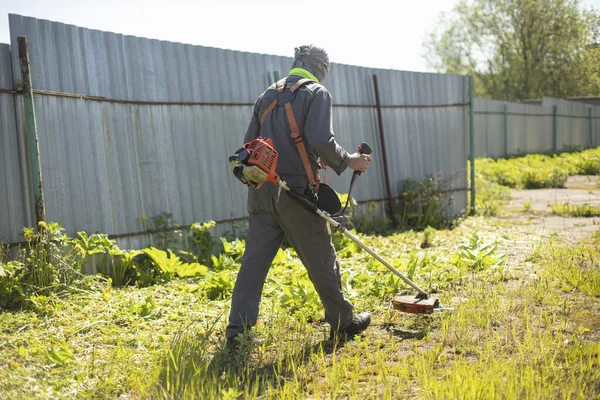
[{"x": 264, "y": 156}]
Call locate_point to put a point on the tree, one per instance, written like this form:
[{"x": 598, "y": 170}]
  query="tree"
[{"x": 520, "y": 49}]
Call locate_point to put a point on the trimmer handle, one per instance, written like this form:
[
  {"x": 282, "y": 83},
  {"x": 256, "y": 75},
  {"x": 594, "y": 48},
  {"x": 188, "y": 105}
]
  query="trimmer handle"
[{"x": 363, "y": 148}]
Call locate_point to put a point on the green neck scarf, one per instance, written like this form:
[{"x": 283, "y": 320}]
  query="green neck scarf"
[{"x": 303, "y": 73}]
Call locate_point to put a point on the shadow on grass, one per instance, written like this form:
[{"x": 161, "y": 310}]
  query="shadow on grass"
[
  {"x": 275, "y": 372},
  {"x": 189, "y": 370},
  {"x": 418, "y": 328},
  {"x": 406, "y": 335}
]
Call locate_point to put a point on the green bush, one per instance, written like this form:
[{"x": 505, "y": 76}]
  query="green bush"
[
  {"x": 11, "y": 291},
  {"x": 535, "y": 171},
  {"x": 586, "y": 162},
  {"x": 421, "y": 204},
  {"x": 49, "y": 263},
  {"x": 204, "y": 243},
  {"x": 536, "y": 178}
]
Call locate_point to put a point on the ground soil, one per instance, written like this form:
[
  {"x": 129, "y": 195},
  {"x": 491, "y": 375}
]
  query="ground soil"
[{"x": 533, "y": 208}]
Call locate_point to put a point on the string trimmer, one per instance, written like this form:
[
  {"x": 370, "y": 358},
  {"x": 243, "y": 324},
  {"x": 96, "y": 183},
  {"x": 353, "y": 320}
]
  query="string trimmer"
[{"x": 255, "y": 163}]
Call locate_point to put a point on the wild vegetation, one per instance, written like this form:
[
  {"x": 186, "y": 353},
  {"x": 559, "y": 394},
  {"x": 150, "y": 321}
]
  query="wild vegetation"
[
  {"x": 495, "y": 178},
  {"x": 536, "y": 171},
  {"x": 150, "y": 324},
  {"x": 523, "y": 49}
]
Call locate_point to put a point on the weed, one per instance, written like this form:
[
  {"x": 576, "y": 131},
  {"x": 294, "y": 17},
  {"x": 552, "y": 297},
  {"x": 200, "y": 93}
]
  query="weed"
[
  {"x": 219, "y": 286},
  {"x": 167, "y": 234},
  {"x": 204, "y": 243},
  {"x": 428, "y": 236},
  {"x": 478, "y": 256},
  {"x": 11, "y": 291},
  {"x": 490, "y": 198},
  {"x": 108, "y": 258},
  {"x": 535, "y": 178},
  {"x": 583, "y": 163},
  {"x": 535, "y": 171},
  {"x": 575, "y": 268},
  {"x": 575, "y": 210},
  {"x": 300, "y": 297},
  {"x": 372, "y": 222},
  {"x": 122, "y": 271},
  {"x": 60, "y": 355},
  {"x": 421, "y": 204},
  {"x": 234, "y": 249},
  {"x": 47, "y": 264},
  {"x": 42, "y": 251}
]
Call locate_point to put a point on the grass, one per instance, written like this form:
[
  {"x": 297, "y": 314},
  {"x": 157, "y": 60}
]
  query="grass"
[
  {"x": 511, "y": 335},
  {"x": 535, "y": 171},
  {"x": 575, "y": 210},
  {"x": 491, "y": 197},
  {"x": 524, "y": 325}
]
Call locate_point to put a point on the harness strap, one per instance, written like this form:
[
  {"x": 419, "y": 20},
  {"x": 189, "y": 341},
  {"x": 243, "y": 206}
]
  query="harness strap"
[
  {"x": 280, "y": 85},
  {"x": 299, "y": 140},
  {"x": 299, "y": 83},
  {"x": 268, "y": 110},
  {"x": 296, "y": 135}
]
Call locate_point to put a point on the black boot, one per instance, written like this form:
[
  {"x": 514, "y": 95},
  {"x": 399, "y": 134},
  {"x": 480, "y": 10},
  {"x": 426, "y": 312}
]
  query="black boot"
[{"x": 359, "y": 323}]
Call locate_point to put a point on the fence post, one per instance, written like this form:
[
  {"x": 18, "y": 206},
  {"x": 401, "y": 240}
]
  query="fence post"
[
  {"x": 555, "y": 128},
  {"x": 505, "y": 130},
  {"x": 383, "y": 151},
  {"x": 472, "y": 144},
  {"x": 33, "y": 148},
  {"x": 591, "y": 131}
]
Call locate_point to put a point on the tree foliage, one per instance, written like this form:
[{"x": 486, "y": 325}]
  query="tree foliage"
[{"x": 520, "y": 49}]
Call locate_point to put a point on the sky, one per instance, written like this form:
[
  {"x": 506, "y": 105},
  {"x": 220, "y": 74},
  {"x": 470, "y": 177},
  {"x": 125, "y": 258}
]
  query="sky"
[{"x": 374, "y": 33}]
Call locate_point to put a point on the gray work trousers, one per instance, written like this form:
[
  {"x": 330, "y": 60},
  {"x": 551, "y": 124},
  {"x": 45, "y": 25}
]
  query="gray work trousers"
[{"x": 274, "y": 214}]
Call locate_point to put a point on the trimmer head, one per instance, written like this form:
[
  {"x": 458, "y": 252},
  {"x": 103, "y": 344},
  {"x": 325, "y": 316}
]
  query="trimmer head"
[{"x": 415, "y": 304}]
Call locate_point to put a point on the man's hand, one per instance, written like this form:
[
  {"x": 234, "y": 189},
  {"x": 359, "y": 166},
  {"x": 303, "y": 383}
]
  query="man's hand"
[{"x": 359, "y": 162}]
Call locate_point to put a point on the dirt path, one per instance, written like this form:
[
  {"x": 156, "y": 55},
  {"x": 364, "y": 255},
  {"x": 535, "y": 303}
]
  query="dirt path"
[{"x": 533, "y": 208}]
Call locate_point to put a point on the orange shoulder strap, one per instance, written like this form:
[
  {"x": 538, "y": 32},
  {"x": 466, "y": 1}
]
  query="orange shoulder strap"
[
  {"x": 299, "y": 140},
  {"x": 296, "y": 135},
  {"x": 280, "y": 85}
]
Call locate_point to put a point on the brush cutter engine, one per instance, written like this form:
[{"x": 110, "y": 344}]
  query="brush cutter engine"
[{"x": 255, "y": 163}]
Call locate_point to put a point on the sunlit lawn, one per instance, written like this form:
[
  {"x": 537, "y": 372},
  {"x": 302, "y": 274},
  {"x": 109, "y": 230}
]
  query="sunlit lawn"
[{"x": 527, "y": 330}]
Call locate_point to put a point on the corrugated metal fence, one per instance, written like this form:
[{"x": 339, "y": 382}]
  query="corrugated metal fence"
[
  {"x": 148, "y": 126},
  {"x": 14, "y": 207},
  {"x": 505, "y": 128}
]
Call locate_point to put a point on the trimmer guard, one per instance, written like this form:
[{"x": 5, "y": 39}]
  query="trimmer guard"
[{"x": 415, "y": 304}]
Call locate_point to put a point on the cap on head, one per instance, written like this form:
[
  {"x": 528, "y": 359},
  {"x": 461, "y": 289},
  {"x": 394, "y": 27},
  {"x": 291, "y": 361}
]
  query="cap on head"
[{"x": 313, "y": 59}]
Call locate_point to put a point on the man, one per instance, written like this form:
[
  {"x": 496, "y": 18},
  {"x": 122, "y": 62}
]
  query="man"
[{"x": 274, "y": 215}]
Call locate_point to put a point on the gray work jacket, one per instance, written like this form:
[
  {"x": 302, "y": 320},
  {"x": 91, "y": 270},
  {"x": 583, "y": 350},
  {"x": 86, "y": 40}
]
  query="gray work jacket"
[{"x": 312, "y": 109}]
